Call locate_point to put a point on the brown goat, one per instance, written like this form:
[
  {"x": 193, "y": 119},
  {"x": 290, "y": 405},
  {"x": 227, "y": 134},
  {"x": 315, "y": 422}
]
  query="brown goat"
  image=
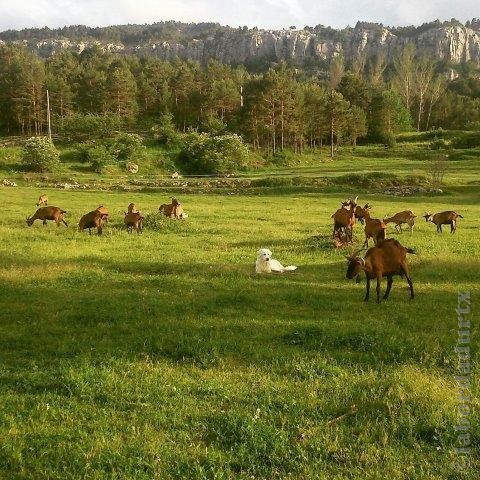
[
  {"x": 94, "y": 219},
  {"x": 134, "y": 220},
  {"x": 104, "y": 211},
  {"x": 344, "y": 220},
  {"x": 172, "y": 210},
  {"x": 42, "y": 200},
  {"x": 375, "y": 229},
  {"x": 48, "y": 213},
  {"x": 407, "y": 216},
  {"x": 386, "y": 259},
  {"x": 443, "y": 218},
  {"x": 362, "y": 212},
  {"x": 132, "y": 208}
]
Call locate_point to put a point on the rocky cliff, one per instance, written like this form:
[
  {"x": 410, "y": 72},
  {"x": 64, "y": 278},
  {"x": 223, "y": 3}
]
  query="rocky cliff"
[{"x": 454, "y": 42}]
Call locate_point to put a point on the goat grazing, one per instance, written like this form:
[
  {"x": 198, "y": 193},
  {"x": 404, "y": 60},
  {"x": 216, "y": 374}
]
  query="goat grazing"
[
  {"x": 104, "y": 211},
  {"x": 443, "y": 218},
  {"x": 48, "y": 213},
  {"x": 42, "y": 200},
  {"x": 172, "y": 210},
  {"x": 134, "y": 220},
  {"x": 344, "y": 219},
  {"x": 386, "y": 259},
  {"x": 375, "y": 229},
  {"x": 94, "y": 219},
  {"x": 407, "y": 216}
]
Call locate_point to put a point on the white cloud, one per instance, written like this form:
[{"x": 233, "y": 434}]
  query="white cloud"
[{"x": 262, "y": 13}]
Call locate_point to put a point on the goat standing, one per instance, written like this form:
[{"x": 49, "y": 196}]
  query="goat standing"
[
  {"x": 48, "y": 213},
  {"x": 386, "y": 259},
  {"x": 344, "y": 220},
  {"x": 407, "y": 216},
  {"x": 134, "y": 220},
  {"x": 42, "y": 200},
  {"x": 94, "y": 219},
  {"x": 444, "y": 218}
]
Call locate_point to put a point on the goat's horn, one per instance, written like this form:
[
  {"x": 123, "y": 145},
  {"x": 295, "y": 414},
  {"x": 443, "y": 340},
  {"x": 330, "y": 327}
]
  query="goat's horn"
[
  {"x": 355, "y": 254},
  {"x": 356, "y": 198}
]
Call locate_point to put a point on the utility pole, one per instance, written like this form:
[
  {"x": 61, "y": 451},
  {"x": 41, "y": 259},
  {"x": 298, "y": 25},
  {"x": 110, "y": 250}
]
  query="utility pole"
[{"x": 48, "y": 117}]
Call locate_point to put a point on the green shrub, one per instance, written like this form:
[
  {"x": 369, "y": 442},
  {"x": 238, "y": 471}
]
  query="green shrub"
[
  {"x": 388, "y": 139},
  {"x": 439, "y": 144},
  {"x": 99, "y": 156},
  {"x": 78, "y": 127},
  {"x": 40, "y": 155},
  {"x": 467, "y": 140},
  {"x": 165, "y": 131},
  {"x": 205, "y": 154},
  {"x": 126, "y": 146},
  {"x": 473, "y": 125}
]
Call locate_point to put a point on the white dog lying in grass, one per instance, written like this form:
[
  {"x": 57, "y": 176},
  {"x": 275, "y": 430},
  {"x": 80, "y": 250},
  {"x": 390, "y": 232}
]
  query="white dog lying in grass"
[{"x": 266, "y": 264}]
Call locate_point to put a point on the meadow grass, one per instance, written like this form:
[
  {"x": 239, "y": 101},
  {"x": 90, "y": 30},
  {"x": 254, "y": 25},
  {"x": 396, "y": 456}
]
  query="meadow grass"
[{"x": 163, "y": 356}]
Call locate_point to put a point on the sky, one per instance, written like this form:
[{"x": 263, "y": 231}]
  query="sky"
[{"x": 261, "y": 13}]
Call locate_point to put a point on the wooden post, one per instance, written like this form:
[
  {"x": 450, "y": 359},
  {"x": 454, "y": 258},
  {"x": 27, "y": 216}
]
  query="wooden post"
[{"x": 48, "y": 117}]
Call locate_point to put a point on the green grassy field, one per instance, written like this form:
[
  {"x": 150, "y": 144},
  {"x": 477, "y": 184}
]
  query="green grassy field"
[{"x": 163, "y": 356}]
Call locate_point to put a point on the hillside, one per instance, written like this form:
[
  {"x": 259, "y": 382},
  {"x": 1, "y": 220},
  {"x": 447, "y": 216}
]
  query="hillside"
[{"x": 448, "y": 41}]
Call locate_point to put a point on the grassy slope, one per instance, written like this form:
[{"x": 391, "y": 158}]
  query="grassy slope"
[
  {"x": 164, "y": 356},
  {"x": 405, "y": 158}
]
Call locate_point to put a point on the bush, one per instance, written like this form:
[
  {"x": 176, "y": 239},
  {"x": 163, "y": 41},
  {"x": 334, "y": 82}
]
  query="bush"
[
  {"x": 205, "y": 154},
  {"x": 474, "y": 125},
  {"x": 467, "y": 140},
  {"x": 40, "y": 155},
  {"x": 388, "y": 139},
  {"x": 78, "y": 127},
  {"x": 439, "y": 144},
  {"x": 165, "y": 132},
  {"x": 125, "y": 146},
  {"x": 99, "y": 156}
]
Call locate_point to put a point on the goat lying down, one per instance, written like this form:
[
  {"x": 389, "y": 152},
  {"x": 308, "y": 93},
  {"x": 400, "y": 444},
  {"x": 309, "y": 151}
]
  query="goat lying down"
[{"x": 266, "y": 264}]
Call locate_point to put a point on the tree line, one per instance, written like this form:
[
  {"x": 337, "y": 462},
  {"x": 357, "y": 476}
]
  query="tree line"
[{"x": 282, "y": 107}]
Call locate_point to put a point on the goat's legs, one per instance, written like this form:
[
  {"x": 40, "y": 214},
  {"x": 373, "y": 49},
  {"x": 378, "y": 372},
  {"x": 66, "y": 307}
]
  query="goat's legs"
[
  {"x": 367, "y": 291},
  {"x": 453, "y": 226},
  {"x": 379, "y": 288},
  {"x": 401, "y": 229},
  {"x": 389, "y": 287},
  {"x": 409, "y": 280}
]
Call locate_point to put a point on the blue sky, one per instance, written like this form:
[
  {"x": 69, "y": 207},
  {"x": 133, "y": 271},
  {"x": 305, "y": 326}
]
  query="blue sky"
[{"x": 261, "y": 13}]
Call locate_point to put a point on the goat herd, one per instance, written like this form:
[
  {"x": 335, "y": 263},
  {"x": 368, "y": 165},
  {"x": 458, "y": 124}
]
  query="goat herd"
[
  {"x": 98, "y": 218},
  {"x": 386, "y": 258}
]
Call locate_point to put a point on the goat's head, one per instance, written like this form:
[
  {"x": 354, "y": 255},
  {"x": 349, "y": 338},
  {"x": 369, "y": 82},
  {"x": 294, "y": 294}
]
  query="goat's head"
[
  {"x": 428, "y": 217},
  {"x": 353, "y": 203},
  {"x": 355, "y": 265},
  {"x": 29, "y": 221}
]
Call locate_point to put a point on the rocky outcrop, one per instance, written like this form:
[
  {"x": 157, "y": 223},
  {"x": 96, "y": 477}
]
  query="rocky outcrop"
[{"x": 239, "y": 46}]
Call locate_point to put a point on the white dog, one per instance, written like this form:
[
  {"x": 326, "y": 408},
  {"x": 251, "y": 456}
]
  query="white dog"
[{"x": 266, "y": 264}]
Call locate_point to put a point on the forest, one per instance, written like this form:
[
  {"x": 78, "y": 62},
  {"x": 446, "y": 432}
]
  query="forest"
[{"x": 281, "y": 107}]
